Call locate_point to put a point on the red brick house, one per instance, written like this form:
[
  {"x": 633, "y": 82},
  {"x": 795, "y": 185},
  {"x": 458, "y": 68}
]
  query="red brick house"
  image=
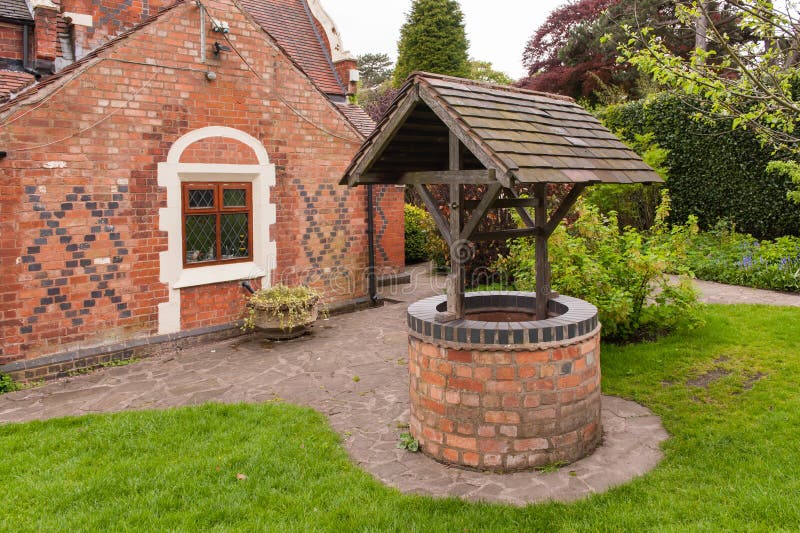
[{"x": 165, "y": 154}]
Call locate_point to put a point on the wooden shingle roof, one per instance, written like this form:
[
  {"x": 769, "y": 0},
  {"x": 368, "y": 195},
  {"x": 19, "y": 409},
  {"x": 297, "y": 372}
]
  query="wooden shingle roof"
[{"x": 524, "y": 136}]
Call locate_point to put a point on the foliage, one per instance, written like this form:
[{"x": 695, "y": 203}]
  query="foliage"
[
  {"x": 714, "y": 173},
  {"x": 418, "y": 226},
  {"x": 433, "y": 39},
  {"x": 377, "y": 100},
  {"x": 730, "y": 463},
  {"x": 725, "y": 256},
  {"x": 407, "y": 442},
  {"x": 791, "y": 170},
  {"x": 374, "y": 68},
  {"x": 483, "y": 71},
  {"x": 290, "y": 306},
  {"x": 635, "y": 205},
  {"x": 7, "y": 384},
  {"x": 751, "y": 83},
  {"x": 623, "y": 273},
  {"x": 482, "y": 255},
  {"x": 574, "y": 51}
]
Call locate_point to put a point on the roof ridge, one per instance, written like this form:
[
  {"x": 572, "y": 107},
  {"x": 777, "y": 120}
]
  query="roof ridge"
[{"x": 479, "y": 83}]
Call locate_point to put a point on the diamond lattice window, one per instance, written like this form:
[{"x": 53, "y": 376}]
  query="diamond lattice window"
[{"x": 217, "y": 223}]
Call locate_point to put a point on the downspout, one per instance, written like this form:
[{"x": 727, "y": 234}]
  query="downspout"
[
  {"x": 373, "y": 289},
  {"x": 25, "y": 58}
]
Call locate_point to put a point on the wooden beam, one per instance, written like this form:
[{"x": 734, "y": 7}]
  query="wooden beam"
[
  {"x": 542, "y": 258},
  {"x": 459, "y": 253},
  {"x": 447, "y": 177},
  {"x": 433, "y": 209},
  {"x": 382, "y": 141},
  {"x": 478, "y": 148},
  {"x": 521, "y": 211},
  {"x": 503, "y": 203},
  {"x": 563, "y": 209},
  {"x": 487, "y": 202},
  {"x": 506, "y": 234}
]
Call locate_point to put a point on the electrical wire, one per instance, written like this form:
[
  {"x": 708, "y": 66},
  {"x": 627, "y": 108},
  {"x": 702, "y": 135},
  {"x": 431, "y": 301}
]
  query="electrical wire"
[
  {"x": 275, "y": 93},
  {"x": 95, "y": 124}
]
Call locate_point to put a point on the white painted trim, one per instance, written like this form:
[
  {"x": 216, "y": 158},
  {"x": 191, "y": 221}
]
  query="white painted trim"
[
  {"x": 79, "y": 19},
  {"x": 170, "y": 175},
  {"x": 338, "y": 53}
]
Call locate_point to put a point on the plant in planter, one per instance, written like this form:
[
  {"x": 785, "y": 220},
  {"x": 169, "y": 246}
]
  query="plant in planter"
[{"x": 282, "y": 312}]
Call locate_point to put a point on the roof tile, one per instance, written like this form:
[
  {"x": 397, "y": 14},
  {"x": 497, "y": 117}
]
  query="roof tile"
[
  {"x": 15, "y": 10},
  {"x": 291, "y": 24},
  {"x": 12, "y": 82}
]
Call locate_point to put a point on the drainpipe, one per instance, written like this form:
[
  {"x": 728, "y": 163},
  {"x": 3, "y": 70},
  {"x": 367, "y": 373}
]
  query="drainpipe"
[
  {"x": 25, "y": 67},
  {"x": 373, "y": 290}
]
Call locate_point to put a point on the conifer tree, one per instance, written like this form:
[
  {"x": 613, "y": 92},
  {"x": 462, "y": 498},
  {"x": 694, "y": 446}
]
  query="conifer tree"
[{"x": 433, "y": 39}]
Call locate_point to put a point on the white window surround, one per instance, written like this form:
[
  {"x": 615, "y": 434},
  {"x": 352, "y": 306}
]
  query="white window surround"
[{"x": 171, "y": 175}]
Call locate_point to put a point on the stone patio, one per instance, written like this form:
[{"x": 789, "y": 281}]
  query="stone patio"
[{"x": 353, "y": 369}]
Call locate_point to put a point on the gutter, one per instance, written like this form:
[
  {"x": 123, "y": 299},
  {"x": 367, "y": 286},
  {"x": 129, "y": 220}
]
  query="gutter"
[{"x": 373, "y": 289}]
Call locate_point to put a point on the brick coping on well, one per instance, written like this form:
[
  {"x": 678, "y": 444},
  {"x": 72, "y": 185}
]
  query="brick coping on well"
[{"x": 575, "y": 320}]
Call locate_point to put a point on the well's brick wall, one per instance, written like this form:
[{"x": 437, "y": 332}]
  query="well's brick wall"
[
  {"x": 10, "y": 41},
  {"x": 505, "y": 410},
  {"x": 79, "y": 226}
]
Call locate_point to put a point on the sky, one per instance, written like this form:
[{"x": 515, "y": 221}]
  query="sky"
[{"x": 497, "y": 29}]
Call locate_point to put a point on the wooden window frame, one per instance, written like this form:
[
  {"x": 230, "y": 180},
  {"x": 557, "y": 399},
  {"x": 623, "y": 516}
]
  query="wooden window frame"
[{"x": 218, "y": 210}]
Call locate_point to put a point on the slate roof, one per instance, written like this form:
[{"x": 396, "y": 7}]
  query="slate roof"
[
  {"x": 525, "y": 136},
  {"x": 16, "y": 10},
  {"x": 12, "y": 82},
  {"x": 291, "y": 24},
  {"x": 358, "y": 118}
]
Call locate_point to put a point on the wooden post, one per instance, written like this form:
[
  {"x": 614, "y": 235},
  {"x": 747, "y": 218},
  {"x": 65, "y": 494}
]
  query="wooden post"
[
  {"x": 542, "y": 259},
  {"x": 455, "y": 288}
]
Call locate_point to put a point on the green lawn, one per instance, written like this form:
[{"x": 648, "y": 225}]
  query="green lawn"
[{"x": 733, "y": 462}]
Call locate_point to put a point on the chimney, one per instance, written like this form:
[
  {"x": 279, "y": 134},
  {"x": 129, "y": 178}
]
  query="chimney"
[
  {"x": 343, "y": 69},
  {"x": 352, "y": 87},
  {"x": 45, "y": 34}
]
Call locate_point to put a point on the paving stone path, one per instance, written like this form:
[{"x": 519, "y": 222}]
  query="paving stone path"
[{"x": 353, "y": 369}]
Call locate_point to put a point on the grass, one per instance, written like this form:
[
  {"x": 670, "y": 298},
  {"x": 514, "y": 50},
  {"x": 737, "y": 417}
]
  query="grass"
[{"x": 733, "y": 462}]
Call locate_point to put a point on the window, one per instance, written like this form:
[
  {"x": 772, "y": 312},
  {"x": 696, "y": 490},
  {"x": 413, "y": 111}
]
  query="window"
[{"x": 217, "y": 223}]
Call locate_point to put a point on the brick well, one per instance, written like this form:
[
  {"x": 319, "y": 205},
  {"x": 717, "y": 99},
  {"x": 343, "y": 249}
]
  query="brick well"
[{"x": 506, "y": 407}]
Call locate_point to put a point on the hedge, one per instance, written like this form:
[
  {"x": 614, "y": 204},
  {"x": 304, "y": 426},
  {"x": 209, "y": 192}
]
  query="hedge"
[{"x": 715, "y": 173}]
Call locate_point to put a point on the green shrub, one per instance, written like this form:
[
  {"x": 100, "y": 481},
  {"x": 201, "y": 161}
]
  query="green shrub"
[
  {"x": 417, "y": 224},
  {"x": 7, "y": 384},
  {"x": 635, "y": 205},
  {"x": 726, "y": 256},
  {"x": 714, "y": 173},
  {"x": 623, "y": 273}
]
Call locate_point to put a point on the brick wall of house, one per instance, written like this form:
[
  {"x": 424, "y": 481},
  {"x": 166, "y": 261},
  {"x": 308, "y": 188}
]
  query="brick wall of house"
[
  {"x": 79, "y": 200},
  {"x": 11, "y": 41},
  {"x": 109, "y": 19}
]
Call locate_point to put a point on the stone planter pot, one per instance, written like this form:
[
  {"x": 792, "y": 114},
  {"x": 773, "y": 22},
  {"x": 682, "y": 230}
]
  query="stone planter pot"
[{"x": 266, "y": 322}]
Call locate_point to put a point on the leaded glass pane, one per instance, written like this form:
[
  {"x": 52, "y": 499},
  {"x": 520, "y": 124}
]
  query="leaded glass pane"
[
  {"x": 201, "y": 237},
  {"x": 235, "y": 231},
  {"x": 234, "y": 197},
  {"x": 201, "y": 198}
]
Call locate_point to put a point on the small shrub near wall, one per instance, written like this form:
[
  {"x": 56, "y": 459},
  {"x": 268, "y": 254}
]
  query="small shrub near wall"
[
  {"x": 417, "y": 227},
  {"x": 622, "y": 272}
]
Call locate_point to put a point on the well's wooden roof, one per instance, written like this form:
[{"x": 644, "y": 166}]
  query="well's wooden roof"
[{"x": 525, "y": 136}]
